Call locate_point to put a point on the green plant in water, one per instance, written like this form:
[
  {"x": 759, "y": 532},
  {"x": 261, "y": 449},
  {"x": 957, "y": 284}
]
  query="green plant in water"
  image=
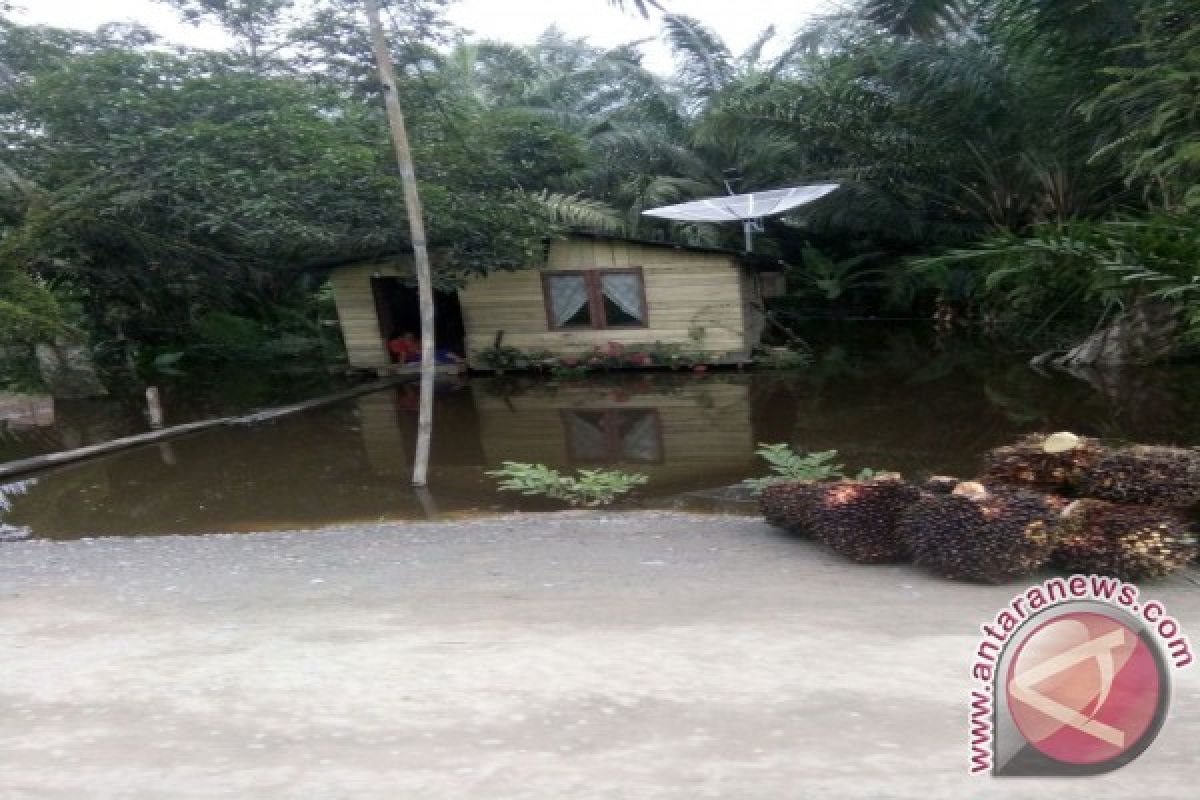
[
  {"x": 588, "y": 488},
  {"x": 787, "y": 465}
]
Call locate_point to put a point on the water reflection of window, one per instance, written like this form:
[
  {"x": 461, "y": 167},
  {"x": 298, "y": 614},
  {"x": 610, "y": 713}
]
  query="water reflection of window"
[{"x": 609, "y": 436}]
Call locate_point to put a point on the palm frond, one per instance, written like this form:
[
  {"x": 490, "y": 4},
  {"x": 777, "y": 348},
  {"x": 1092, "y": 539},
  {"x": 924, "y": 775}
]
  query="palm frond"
[
  {"x": 705, "y": 63},
  {"x": 920, "y": 18},
  {"x": 640, "y": 6},
  {"x": 576, "y": 211}
]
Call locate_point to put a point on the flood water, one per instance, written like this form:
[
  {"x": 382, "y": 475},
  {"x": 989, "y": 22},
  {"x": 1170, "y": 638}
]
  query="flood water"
[
  {"x": 916, "y": 412},
  {"x": 33, "y": 423}
]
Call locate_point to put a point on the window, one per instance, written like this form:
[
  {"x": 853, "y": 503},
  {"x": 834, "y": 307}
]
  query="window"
[
  {"x": 595, "y": 299},
  {"x": 610, "y": 436}
]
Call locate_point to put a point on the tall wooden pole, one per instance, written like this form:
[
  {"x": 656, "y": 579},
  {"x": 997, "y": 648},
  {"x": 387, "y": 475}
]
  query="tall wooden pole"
[{"x": 416, "y": 224}]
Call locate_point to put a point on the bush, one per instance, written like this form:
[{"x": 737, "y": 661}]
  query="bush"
[{"x": 222, "y": 335}]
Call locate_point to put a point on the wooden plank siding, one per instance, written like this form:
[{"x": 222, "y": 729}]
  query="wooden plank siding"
[
  {"x": 687, "y": 293},
  {"x": 355, "y": 301}
]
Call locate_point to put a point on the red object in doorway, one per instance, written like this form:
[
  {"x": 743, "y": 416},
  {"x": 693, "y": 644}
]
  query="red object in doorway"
[{"x": 405, "y": 348}]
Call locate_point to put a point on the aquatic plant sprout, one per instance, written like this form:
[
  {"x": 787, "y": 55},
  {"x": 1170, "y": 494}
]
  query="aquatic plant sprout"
[
  {"x": 588, "y": 488},
  {"x": 788, "y": 466}
]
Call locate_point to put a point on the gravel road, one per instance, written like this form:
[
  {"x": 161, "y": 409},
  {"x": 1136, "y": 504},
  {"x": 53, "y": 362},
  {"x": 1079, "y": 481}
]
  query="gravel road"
[{"x": 579, "y": 655}]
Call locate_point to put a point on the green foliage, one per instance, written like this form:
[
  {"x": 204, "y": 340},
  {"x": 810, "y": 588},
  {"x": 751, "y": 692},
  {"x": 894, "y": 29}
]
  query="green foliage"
[
  {"x": 1157, "y": 97},
  {"x": 159, "y": 187},
  {"x": 1105, "y": 265},
  {"x": 830, "y": 280},
  {"x": 511, "y": 359},
  {"x": 29, "y": 312},
  {"x": 1033, "y": 156},
  {"x": 588, "y": 487},
  {"x": 575, "y": 211},
  {"x": 787, "y": 465},
  {"x": 613, "y": 355}
]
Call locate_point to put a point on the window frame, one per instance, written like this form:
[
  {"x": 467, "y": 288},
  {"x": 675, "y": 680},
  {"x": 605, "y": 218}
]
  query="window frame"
[
  {"x": 612, "y": 441},
  {"x": 593, "y": 281}
]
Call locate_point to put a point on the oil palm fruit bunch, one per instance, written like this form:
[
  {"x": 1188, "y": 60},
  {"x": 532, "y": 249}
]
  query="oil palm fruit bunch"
[
  {"x": 786, "y": 505},
  {"x": 940, "y": 484},
  {"x": 1132, "y": 543},
  {"x": 1056, "y": 462},
  {"x": 1160, "y": 476},
  {"x": 977, "y": 533},
  {"x": 857, "y": 519}
]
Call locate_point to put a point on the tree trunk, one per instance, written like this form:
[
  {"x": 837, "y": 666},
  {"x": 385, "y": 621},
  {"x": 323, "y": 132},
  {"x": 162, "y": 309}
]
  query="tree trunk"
[
  {"x": 1146, "y": 333},
  {"x": 416, "y": 224}
]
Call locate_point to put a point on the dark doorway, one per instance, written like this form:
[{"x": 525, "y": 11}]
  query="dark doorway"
[{"x": 399, "y": 311}]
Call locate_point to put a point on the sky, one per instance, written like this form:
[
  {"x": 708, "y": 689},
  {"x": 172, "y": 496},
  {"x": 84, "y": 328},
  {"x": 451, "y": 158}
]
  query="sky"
[{"x": 738, "y": 21}]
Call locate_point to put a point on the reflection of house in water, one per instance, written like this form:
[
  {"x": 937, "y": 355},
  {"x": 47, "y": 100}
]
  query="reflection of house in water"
[
  {"x": 27, "y": 425},
  {"x": 389, "y": 430},
  {"x": 21, "y": 411},
  {"x": 677, "y": 430}
]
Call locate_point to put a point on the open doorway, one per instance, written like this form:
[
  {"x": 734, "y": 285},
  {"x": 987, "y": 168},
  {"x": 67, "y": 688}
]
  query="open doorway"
[{"x": 399, "y": 310}]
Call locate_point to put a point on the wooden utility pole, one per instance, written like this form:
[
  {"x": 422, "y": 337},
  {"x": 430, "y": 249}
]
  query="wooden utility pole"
[{"x": 416, "y": 225}]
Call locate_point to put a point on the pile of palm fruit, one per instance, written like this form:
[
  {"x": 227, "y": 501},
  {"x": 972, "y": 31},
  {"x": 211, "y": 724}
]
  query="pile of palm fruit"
[
  {"x": 856, "y": 518},
  {"x": 1051, "y": 463},
  {"x": 1056, "y": 499},
  {"x": 1132, "y": 542},
  {"x": 982, "y": 534}
]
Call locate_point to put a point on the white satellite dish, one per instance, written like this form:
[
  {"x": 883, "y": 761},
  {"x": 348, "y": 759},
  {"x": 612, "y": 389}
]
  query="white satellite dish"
[{"x": 749, "y": 209}]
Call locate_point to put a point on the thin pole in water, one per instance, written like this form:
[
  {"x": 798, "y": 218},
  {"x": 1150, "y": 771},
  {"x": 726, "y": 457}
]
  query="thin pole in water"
[{"x": 416, "y": 223}]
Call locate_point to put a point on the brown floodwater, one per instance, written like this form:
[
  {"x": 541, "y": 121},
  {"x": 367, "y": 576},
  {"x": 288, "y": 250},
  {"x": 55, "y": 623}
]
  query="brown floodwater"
[{"x": 915, "y": 411}]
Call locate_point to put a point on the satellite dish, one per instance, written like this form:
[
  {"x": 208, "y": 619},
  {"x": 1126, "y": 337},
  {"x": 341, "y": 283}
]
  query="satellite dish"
[{"x": 749, "y": 209}]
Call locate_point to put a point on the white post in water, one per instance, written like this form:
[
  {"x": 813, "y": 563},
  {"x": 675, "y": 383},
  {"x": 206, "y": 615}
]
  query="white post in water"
[
  {"x": 154, "y": 409},
  {"x": 416, "y": 224}
]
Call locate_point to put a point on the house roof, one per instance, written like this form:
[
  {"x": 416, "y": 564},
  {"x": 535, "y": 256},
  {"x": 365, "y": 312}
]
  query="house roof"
[
  {"x": 746, "y": 259},
  {"x": 753, "y": 260}
]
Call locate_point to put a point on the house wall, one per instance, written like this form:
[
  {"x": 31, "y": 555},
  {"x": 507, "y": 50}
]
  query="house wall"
[
  {"x": 355, "y": 302},
  {"x": 686, "y": 292}
]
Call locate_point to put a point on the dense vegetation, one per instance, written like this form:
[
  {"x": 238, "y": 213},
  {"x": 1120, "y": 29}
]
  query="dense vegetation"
[{"x": 1026, "y": 167}]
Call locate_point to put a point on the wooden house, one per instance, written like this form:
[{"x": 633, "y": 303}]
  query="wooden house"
[{"x": 592, "y": 290}]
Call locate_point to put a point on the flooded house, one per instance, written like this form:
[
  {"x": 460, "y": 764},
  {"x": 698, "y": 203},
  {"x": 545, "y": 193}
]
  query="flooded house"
[{"x": 591, "y": 291}]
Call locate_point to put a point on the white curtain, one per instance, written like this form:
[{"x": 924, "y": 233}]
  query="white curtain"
[
  {"x": 641, "y": 442},
  {"x": 568, "y": 294},
  {"x": 625, "y": 289},
  {"x": 589, "y": 442}
]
